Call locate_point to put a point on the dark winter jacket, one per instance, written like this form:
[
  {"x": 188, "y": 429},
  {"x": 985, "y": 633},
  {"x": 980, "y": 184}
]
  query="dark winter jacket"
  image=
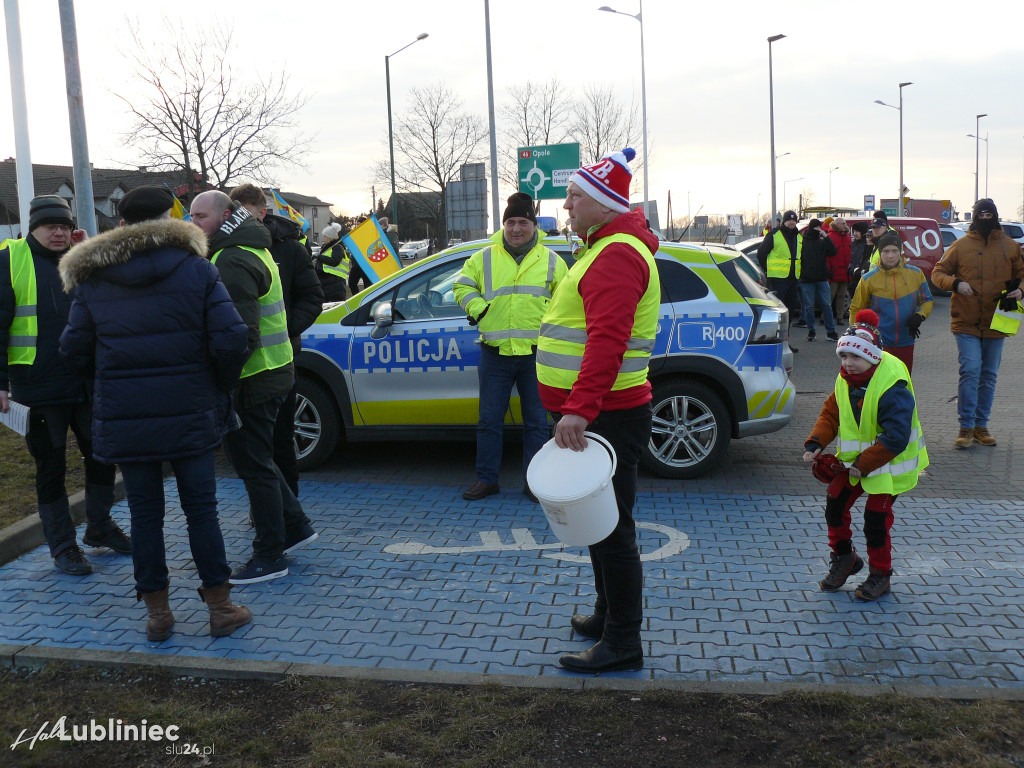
[
  {"x": 332, "y": 253},
  {"x": 246, "y": 279},
  {"x": 303, "y": 296},
  {"x": 817, "y": 250},
  {"x": 153, "y": 323},
  {"x": 49, "y": 380}
]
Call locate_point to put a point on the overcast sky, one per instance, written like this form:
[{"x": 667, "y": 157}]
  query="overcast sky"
[{"x": 707, "y": 86}]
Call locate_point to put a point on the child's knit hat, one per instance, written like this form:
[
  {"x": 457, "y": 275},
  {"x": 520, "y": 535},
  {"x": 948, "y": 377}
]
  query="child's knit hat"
[{"x": 862, "y": 338}]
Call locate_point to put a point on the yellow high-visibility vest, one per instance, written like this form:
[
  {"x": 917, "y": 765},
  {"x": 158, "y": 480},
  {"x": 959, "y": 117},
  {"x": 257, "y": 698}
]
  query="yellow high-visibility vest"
[
  {"x": 780, "y": 256},
  {"x": 21, "y": 341},
  {"x": 900, "y": 474},
  {"x": 513, "y": 295},
  {"x": 563, "y": 331},
  {"x": 343, "y": 268},
  {"x": 275, "y": 349}
]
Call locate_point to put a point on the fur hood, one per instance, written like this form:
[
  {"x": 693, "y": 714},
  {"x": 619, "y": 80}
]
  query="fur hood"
[{"x": 120, "y": 246}]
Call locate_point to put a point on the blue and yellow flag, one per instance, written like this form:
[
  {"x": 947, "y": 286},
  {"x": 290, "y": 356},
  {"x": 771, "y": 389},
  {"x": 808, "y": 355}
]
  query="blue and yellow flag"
[
  {"x": 371, "y": 249},
  {"x": 178, "y": 211},
  {"x": 283, "y": 209}
]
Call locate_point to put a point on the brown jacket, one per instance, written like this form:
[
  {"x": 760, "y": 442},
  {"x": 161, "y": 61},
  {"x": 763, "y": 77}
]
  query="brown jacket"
[{"x": 985, "y": 266}]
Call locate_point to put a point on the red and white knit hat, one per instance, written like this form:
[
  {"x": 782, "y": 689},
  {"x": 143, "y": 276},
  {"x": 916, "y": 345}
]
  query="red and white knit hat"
[
  {"x": 607, "y": 180},
  {"x": 862, "y": 338}
]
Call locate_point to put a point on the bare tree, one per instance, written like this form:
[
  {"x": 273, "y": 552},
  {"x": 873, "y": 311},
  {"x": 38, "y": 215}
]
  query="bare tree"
[
  {"x": 198, "y": 117},
  {"x": 433, "y": 140},
  {"x": 602, "y": 124}
]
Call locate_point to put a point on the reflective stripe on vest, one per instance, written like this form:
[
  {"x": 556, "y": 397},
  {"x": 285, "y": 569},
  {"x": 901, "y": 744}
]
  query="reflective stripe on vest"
[
  {"x": 275, "y": 349},
  {"x": 342, "y": 269},
  {"x": 780, "y": 257},
  {"x": 901, "y": 473},
  {"x": 516, "y": 296},
  {"x": 1006, "y": 322},
  {"x": 21, "y": 341},
  {"x": 563, "y": 334}
]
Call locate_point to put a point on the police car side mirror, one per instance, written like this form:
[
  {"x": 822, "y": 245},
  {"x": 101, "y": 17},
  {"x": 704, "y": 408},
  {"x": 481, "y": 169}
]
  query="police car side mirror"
[{"x": 382, "y": 320}]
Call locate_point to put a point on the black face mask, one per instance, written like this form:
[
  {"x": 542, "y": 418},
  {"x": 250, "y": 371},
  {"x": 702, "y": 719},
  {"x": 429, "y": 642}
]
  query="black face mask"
[{"x": 984, "y": 227}]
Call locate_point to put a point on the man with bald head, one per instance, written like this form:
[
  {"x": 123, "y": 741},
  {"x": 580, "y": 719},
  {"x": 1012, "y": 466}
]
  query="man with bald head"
[{"x": 239, "y": 249}]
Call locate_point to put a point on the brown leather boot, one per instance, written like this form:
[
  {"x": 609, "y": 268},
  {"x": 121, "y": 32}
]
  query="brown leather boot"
[
  {"x": 161, "y": 619},
  {"x": 225, "y": 616}
]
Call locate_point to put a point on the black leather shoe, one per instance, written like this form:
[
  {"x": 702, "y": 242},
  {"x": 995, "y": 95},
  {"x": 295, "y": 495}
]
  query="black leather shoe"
[
  {"x": 601, "y": 658},
  {"x": 588, "y": 626},
  {"x": 480, "y": 490}
]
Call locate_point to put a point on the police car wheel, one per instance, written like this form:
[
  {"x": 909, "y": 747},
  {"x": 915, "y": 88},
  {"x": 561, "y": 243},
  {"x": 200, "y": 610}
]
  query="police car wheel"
[
  {"x": 690, "y": 431},
  {"x": 317, "y": 424}
]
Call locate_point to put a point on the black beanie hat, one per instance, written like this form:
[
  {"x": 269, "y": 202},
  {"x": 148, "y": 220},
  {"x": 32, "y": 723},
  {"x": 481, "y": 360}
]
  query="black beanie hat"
[
  {"x": 985, "y": 205},
  {"x": 790, "y": 216},
  {"x": 889, "y": 238},
  {"x": 49, "y": 209},
  {"x": 520, "y": 205},
  {"x": 143, "y": 203},
  {"x": 814, "y": 224},
  {"x": 860, "y": 226}
]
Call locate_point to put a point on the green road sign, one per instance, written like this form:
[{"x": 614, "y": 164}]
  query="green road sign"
[
  {"x": 890, "y": 211},
  {"x": 544, "y": 171}
]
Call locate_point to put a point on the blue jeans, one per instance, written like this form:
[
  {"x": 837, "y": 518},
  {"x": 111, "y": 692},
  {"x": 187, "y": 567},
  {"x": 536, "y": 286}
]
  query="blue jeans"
[
  {"x": 197, "y": 490},
  {"x": 811, "y": 292},
  {"x": 497, "y": 375},
  {"x": 979, "y": 364}
]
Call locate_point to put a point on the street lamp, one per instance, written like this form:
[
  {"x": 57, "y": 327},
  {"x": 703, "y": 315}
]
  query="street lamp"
[
  {"x": 391, "y": 133},
  {"x": 899, "y": 197},
  {"x": 771, "y": 121},
  {"x": 830, "y": 184},
  {"x": 985, "y": 139},
  {"x": 977, "y": 126},
  {"x": 643, "y": 89},
  {"x": 784, "y": 190}
]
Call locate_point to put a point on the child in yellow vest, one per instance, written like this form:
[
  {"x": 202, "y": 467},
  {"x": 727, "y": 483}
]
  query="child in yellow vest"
[{"x": 880, "y": 452}]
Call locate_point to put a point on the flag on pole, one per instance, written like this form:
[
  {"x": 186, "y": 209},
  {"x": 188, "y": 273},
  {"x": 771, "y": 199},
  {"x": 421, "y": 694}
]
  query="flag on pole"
[
  {"x": 283, "y": 209},
  {"x": 371, "y": 249},
  {"x": 178, "y": 210}
]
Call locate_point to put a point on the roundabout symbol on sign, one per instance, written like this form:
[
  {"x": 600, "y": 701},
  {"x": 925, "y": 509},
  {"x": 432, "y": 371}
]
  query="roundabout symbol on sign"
[{"x": 534, "y": 179}]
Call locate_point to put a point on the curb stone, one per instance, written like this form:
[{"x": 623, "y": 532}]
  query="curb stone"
[{"x": 34, "y": 657}]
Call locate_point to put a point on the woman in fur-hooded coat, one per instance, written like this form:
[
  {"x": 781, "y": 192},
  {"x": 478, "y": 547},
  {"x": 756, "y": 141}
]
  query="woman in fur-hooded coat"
[{"x": 153, "y": 324}]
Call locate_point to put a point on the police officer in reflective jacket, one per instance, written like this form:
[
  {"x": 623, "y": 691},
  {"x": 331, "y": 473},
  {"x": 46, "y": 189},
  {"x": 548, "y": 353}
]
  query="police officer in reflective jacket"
[{"x": 504, "y": 290}]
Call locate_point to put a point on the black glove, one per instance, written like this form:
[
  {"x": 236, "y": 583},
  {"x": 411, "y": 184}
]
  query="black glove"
[
  {"x": 474, "y": 321},
  {"x": 914, "y": 324},
  {"x": 1005, "y": 304}
]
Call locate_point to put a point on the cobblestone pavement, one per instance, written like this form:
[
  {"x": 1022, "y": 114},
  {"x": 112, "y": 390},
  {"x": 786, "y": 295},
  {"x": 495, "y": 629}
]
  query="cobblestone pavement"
[{"x": 408, "y": 576}]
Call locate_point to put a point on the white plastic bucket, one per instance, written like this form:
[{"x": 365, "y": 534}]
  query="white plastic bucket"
[{"x": 575, "y": 490}]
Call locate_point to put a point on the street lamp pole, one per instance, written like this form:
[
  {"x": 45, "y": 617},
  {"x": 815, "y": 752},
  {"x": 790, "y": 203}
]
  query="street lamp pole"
[
  {"x": 830, "y": 184},
  {"x": 977, "y": 132},
  {"x": 899, "y": 196},
  {"x": 643, "y": 91},
  {"x": 771, "y": 122},
  {"x": 985, "y": 139},
  {"x": 391, "y": 132}
]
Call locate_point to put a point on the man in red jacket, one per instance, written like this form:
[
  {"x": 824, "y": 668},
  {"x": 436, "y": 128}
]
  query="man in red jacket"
[
  {"x": 838, "y": 265},
  {"x": 595, "y": 341}
]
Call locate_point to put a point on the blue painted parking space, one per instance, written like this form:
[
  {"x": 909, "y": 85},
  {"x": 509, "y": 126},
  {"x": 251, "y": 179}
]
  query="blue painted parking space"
[{"x": 413, "y": 577}]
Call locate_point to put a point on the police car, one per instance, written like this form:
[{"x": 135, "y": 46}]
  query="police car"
[{"x": 399, "y": 361}]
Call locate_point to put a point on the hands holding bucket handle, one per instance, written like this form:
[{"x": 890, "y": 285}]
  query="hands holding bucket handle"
[{"x": 569, "y": 432}]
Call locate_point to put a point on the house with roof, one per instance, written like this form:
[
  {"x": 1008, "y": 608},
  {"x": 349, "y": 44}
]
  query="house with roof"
[{"x": 109, "y": 185}]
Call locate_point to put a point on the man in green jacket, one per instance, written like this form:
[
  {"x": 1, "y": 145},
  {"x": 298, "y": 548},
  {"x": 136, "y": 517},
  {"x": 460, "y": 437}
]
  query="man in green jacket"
[
  {"x": 505, "y": 289},
  {"x": 239, "y": 249}
]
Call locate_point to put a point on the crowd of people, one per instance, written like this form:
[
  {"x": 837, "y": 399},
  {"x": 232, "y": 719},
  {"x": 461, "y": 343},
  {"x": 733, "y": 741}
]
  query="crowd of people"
[{"x": 188, "y": 331}]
